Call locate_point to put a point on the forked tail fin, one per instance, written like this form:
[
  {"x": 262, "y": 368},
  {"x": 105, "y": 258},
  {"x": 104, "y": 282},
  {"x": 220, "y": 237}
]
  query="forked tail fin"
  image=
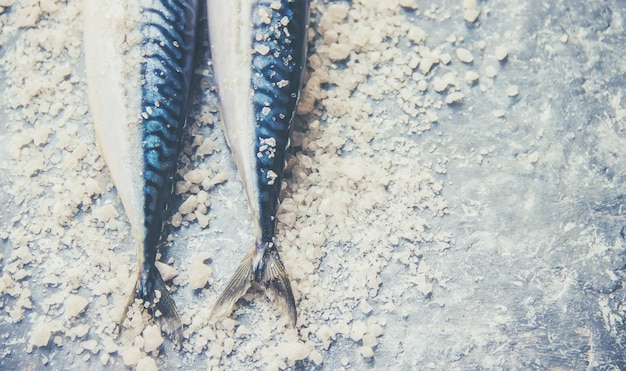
[
  {"x": 263, "y": 267},
  {"x": 158, "y": 300},
  {"x": 163, "y": 308}
]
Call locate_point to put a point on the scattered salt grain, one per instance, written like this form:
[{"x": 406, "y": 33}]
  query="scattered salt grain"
[
  {"x": 366, "y": 352},
  {"x": 152, "y": 338},
  {"x": 104, "y": 358},
  {"x": 167, "y": 272},
  {"x": 105, "y": 213},
  {"x": 203, "y": 218},
  {"x": 199, "y": 273},
  {"x": 358, "y": 330},
  {"x": 454, "y": 97},
  {"x": 74, "y": 305},
  {"x": 369, "y": 340},
  {"x": 491, "y": 71},
  {"x": 206, "y": 148},
  {"x": 229, "y": 345},
  {"x": 471, "y": 77},
  {"x": 512, "y": 90},
  {"x": 262, "y": 49},
  {"x": 316, "y": 357},
  {"x": 217, "y": 179},
  {"x": 177, "y": 220},
  {"x": 131, "y": 356},
  {"x": 287, "y": 218},
  {"x": 426, "y": 64},
  {"x": 339, "y": 52},
  {"x": 40, "y": 335},
  {"x": 228, "y": 324},
  {"x": 48, "y": 6},
  {"x": 334, "y": 14},
  {"x": 147, "y": 364},
  {"x": 471, "y": 11},
  {"x": 464, "y": 55},
  {"x": 78, "y": 331},
  {"x": 498, "y": 113},
  {"x": 375, "y": 328},
  {"x": 416, "y": 35},
  {"x": 189, "y": 205},
  {"x": 439, "y": 84},
  {"x": 295, "y": 351},
  {"x": 90, "y": 345},
  {"x": 365, "y": 307},
  {"x": 197, "y": 176},
  {"x": 446, "y": 58},
  {"x": 501, "y": 53}
]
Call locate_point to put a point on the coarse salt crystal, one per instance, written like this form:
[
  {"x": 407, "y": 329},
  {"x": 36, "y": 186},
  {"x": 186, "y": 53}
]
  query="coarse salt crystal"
[
  {"x": 501, "y": 53},
  {"x": 366, "y": 352},
  {"x": 464, "y": 55},
  {"x": 512, "y": 90},
  {"x": 147, "y": 364},
  {"x": 454, "y": 97},
  {"x": 471, "y": 77},
  {"x": 41, "y": 335},
  {"x": 490, "y": 71},
  {"x": 74, "y": 305}
]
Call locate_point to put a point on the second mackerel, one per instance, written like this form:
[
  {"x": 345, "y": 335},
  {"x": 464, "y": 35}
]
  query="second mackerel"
[{"x": 259, "y": 51}]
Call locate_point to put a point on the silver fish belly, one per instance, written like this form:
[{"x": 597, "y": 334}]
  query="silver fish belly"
[
  {"x": 139, "y": 66},
  {"x": 259, "y": 51}
]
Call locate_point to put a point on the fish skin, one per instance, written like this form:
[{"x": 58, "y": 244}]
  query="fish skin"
[
  {"x": 259, "y": 49},
  {"x": 139, "y": 67}
]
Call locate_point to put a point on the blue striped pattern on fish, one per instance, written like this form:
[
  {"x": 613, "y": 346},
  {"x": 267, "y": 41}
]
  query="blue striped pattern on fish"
[
  {"x": 276, "y": 80},
  {"x": 169, "y": 28},
  {"x": 139, "y": 66},
  {"x": 258, "y": 49}
]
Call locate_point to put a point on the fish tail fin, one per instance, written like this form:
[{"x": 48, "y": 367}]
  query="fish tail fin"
[
  {"x": 237, "y": 287},
  {"x": 277, "y": 286},
  {"x": 129, "y": 301},
  {"x": 264, "y": 267},
  {"x": 162, "y": 307},
  {"x": 157, "y": 299}
]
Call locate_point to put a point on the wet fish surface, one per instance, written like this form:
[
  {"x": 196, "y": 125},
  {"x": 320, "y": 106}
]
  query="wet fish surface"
[
  {"x": 259, "y": 49},
  {"x": 139, "y": 67}
]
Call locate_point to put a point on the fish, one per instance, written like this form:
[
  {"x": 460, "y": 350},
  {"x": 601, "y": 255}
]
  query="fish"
[
  {"x": 258, "y": 50},
  {"x": 139, "y": 59}
]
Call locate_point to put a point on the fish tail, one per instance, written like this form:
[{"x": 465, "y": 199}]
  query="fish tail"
[
  {"x": 162, "y": 306},
  {"x": 129, "y": 301},
  {"x": 156, "y": 297},
  {"x": 277, "y": 286},
  {"x": 237, "y": 287},
  {"x": 263, "y": 267}
]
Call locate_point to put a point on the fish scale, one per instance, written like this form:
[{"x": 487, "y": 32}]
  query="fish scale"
[
  {"x": 139, "y": 66},
  {"x": 168, "y": 57},
  {"x": 276, "y": 80},
  {"x": 258, "y": 51}
]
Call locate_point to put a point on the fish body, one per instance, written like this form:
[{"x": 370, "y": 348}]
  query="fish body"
[
  {"x": 139, "y": 65},
  {"x": 258, "y": 49}
]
